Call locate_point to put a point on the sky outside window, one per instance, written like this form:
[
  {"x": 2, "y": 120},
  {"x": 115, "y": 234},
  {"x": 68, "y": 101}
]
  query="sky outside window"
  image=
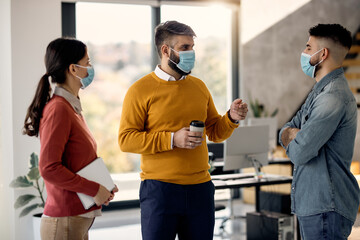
[{"x": 104, "y": 23}]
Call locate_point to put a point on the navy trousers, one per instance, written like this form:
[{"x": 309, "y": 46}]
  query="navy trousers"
[{"x": 168, "y": 209}]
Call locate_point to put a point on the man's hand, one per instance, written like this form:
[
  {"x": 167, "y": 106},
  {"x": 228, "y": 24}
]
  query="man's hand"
[
  {"x": 186, "y": 139},
  {"x": 238, "y": 110},
  {"x": 288, "y": 135}
]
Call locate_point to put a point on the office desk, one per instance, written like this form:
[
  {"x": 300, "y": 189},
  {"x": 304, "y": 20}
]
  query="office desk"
[
  {"x": 241, "y": 180},
  {"x": 219, "y": 162}
]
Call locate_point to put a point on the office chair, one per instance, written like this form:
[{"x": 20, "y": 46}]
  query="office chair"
[
  {"x": 219, "y": 207},
  {"x": 216, "y": 151}
]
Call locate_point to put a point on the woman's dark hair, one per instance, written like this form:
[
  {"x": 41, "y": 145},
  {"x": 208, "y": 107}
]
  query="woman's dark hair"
[{"x": 60, "y": 53}]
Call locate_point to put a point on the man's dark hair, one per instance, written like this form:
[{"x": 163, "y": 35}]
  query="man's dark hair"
[
  {"x": 335, "y": 32},
  {"x": 165, "y": 31}
]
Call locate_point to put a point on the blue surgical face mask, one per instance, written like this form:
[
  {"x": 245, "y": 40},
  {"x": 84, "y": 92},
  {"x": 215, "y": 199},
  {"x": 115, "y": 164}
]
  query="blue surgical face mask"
[
  {"x": 306, "y": 66},
  {"x": 187, "y": 60},
  {"x": 90, "y": 77}
]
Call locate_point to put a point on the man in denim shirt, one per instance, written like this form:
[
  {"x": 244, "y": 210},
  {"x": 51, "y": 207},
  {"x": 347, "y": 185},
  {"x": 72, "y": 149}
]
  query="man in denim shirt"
[{"x": 320, "y": 140}]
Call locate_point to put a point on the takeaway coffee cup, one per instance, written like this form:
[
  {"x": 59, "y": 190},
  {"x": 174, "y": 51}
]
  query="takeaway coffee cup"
[{"x": 197, "y": 126}]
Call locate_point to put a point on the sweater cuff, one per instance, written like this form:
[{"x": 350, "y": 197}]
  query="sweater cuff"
[
  {"x": 93, "y": 188},
  {"x": 234, "y": 123}
]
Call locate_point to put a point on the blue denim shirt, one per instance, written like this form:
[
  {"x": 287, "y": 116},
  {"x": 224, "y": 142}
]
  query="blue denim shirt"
[{"x": 323, "y": 149}]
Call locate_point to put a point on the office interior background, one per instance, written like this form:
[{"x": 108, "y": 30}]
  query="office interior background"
[{"x": 244, "y": 48}]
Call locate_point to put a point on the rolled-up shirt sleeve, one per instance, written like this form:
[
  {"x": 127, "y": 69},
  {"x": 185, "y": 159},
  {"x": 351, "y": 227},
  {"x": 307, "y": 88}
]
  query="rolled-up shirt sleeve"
[{"x": 294, "y": 123}]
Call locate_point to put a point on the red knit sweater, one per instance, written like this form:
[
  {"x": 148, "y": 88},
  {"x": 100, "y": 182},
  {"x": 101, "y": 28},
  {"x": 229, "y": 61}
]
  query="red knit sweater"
[{"x": 66, "y": 147}]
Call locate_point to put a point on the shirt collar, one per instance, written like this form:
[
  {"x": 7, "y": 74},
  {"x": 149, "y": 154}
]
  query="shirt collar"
[
  {"x": 327, "y": 79},
  {"x": 74, "y": 101},
  {"x": 165, "y": 76}
]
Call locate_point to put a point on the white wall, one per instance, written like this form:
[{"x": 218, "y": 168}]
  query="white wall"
[
  {"x": 6, "y": 164},
  {"x": 271, "y": 69},
  {"x": 26, "y": 29}
]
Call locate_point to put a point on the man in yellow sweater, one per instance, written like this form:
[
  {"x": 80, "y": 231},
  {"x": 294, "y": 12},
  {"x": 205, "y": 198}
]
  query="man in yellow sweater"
[{"x": 176, "y": 192}]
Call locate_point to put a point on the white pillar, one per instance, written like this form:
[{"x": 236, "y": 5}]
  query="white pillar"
[
  {"x": 26, "y": 28},
  {"x": 7, "y": 225}
]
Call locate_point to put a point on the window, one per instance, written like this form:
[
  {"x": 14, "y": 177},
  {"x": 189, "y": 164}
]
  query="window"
[
  {"x": 212, "y": 46},
  {"x": 119, "y": 40}
]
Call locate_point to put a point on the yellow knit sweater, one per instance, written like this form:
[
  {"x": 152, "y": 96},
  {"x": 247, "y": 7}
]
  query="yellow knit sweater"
[{"x": 152, "y": 110}]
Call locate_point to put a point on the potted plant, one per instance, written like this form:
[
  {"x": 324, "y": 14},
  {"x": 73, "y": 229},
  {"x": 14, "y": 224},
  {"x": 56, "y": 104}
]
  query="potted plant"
[
  {"x": 32, "y": 179},
  {"x": 262, "y": 117},
  {"x": 259, "y": 111}
]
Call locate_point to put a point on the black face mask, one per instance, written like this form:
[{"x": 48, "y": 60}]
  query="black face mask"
[{"x": 172, "y": 65}]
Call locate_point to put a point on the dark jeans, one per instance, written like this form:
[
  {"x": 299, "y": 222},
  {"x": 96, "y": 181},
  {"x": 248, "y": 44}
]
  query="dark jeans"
[
  {"x": 328, "y": 225},
  {"x": 168, "y": 209}
]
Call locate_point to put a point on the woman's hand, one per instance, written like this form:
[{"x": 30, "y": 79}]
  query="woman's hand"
[
  {"x": 112, "y": 195},
  {"x": 102, "y": 196}
]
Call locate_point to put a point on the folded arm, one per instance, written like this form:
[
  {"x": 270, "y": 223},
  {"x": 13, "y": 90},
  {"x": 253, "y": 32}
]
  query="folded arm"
[
  {"x": 322, "y": 122},
  {"x": 288, "y": 135}
]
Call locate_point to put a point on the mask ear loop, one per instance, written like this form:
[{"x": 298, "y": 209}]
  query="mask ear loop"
[
  {"x": 169, "y": 55},
  {"x": 72, "y": 70},
  {"x": 313, "y": 74},
  {"x": 87, "y": 67},
  {"x": 80, "y": 79},
  {"x": 174, "y": 50}
]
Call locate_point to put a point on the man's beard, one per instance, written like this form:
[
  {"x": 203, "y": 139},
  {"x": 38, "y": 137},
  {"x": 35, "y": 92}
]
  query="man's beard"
[
  {"x": 318, "y": 67},
  {"x": 172, "y": 65}
]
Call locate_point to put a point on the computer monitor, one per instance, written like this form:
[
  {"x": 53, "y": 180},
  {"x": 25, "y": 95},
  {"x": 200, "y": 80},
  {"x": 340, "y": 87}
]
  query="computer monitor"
[
  {"x": 273, "y": 129},
  {"x": 248, "y": 146}
]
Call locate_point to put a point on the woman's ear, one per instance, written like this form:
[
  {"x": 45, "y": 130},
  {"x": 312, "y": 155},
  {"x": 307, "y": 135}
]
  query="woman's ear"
[{"x": 72, "y": 69}]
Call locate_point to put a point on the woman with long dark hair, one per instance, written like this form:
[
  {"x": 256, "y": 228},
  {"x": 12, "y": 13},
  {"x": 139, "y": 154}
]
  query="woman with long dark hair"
[{"x": 66, "y": 142}]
